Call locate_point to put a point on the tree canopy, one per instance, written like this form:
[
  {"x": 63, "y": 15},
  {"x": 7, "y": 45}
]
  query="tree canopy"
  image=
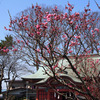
[{"x": 50, "y": 36}]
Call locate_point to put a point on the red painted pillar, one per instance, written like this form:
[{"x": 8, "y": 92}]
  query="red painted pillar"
[
  {"x": 48, "y": 95},
  {"x": 37, "y": 95}
]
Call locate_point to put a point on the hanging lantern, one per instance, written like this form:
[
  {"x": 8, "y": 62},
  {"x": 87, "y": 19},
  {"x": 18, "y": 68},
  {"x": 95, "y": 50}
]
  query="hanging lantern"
[
  {"x": 58, "y": 96},
  {"x": 66, "y": 96},
  {"x": 54, "y": 94},
  {"x": 70, "y": 94}
]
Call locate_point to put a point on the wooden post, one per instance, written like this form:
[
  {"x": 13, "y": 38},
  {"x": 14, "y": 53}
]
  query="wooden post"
[{"x": 36, "y": 94}]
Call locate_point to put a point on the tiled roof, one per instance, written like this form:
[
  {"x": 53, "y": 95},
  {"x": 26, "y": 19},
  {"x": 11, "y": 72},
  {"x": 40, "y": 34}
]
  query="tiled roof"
[{"x": 40, "y": 74}]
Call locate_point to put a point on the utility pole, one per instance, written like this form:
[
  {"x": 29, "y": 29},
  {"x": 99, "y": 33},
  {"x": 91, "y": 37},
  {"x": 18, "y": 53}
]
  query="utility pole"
[{"x": 27, "y": 90}]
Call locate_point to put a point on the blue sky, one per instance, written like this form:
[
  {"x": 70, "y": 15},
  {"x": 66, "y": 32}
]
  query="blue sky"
[{"x": 15, "y": 6}]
